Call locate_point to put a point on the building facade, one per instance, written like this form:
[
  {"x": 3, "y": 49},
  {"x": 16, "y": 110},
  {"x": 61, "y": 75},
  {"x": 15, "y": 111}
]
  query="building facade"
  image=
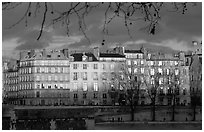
[{"x": 57, "y": 77}]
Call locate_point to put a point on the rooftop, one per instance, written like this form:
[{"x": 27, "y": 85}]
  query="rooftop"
[
  {"x": 133, "y": 51},
  {"x": 113, "y": 55},
  {"x": 78, "y": 56}
]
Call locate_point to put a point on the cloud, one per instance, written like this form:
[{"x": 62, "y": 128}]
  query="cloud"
[
  {"x": 28, "y": 40},
  {"x": 174, "y": 44}
]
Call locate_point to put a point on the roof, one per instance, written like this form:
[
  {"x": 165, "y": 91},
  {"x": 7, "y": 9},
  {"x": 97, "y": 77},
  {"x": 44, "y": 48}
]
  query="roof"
[
  {"x": 78, "y": 56},
  {"x": 113, "y": 55},
  {"x": 133, "y": 51}
]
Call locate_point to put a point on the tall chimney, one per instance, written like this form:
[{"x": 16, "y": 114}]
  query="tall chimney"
[
  {"x": 66, "y": 52},
  {"x": 96, "y": 52}
]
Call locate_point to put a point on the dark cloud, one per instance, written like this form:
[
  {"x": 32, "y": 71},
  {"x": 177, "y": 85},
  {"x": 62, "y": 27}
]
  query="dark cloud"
[
  {"x": 29, "y": 40},
  {"x": 173, "y": 25}
]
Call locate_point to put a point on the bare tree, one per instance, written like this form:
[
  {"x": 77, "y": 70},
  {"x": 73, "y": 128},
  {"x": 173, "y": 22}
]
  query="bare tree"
[
  {"x": 130, "y": 12},
  {"x": 173, "y": 83},
  {"x": 195, "y": 84},
  {"x": 128, "y": 87},
  {"x": 152, "y": 90}
]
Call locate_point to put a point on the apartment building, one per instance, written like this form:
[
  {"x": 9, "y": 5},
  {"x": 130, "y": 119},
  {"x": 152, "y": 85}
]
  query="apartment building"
[{"x": 57, "y": 77}]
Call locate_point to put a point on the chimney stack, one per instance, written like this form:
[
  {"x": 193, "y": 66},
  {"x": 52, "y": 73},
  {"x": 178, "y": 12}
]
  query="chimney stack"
[
  {"x": 66, "y": 52},
  {"x": 96, "y": 52}
]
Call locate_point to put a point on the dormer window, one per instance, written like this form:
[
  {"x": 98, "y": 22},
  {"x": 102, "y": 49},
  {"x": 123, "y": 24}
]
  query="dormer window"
[{"x": 84, "y": 58}]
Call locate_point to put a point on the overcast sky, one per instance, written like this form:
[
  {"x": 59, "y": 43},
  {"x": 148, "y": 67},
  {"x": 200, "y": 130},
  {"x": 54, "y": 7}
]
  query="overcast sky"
[{"x": 175, "y": 31}]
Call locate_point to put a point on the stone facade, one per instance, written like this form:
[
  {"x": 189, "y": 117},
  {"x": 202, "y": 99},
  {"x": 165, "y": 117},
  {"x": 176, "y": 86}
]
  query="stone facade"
[{"x": 60, "y": 78}]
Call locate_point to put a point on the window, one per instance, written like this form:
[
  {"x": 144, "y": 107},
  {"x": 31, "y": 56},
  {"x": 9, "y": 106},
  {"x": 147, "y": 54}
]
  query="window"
[
  {"x": 160, "y": 70},
  {"x": 169, "y": 101},
  {"x": 95, "y": 95},
  {"x": 75, "y": 96},
  {"x": 176, "y": 63},
  {"x": 152, "y": 80},
  {"x": 129, "y": 70},
  {"x": 84, "y": 66},
  {"x": 42, "y": 78},
  {"x": 43, "y": 86},
  {"x": 95, "y": 76},
  {"x": 84, "y": 95},
  {"x": 112, "y": 66},
  {"x": 95, "y": 66},
  {"x": 38, "y": 69},
  {"x": 142, "y": 62},
  {"x": 49, "y": 78},
  {"x": 59, "y": 69},
  {"x": 66, "y": 78},
  {"x": 74, "y": 66},
  {"x": 56, "y": 86},
  {"x": 84, "y": 75},
  {"x": 75, "y": 76},
  {"x": 56, "y": 78},
  {"x": 167, "y": 71},
  {"x": 161, "y": 91},
  {"x": 171, "y": 63},
  {"x": 49, "y": 69},
  {"x": 37, "y": 78},
  {"x": 184, "y": 72},
  {"x": 103, "y": 66},
  {"x": 135, "y": 70},
  {"x": 85, "y": 87},
  {"x": 184, "y": 91},
  {"x": 38, "y": 86},
  {"x": 176, "y": 71},
  {"x": 142, "y": 70},
  {"x": 61, "y": 78},
  {"x": 37, "y": 94},
  {"x": 151, "y": 71},
  {"x": 75, "y": 87},
  {"x": 160, "y": 81},
  {"x": 49, "y": 86},
  {"x": 151, "y": 63},
  {"x": 160, "y": 63},
  {"x": 46, "y": 70},
  {"x": 129, "y": 62},
  {"x": 135, "y": 62},
  {"x": 95, "y": 86},
  {"x": 122, "y": 77},
  {"x": 30, "y": 70},
  {"x": 104, "y": 76},
  {"x": 53, "y": 70}
]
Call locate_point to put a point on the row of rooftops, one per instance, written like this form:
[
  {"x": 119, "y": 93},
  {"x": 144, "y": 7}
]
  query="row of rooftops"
[{"x": 118, "y": 52}]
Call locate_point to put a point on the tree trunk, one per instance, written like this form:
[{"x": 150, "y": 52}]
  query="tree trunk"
[
  {"x": 194, "y": 113},
  {"x": 132, "y": 114},
  {"x": 173, "y": 109},
  {"x": 153, "y": 109}
]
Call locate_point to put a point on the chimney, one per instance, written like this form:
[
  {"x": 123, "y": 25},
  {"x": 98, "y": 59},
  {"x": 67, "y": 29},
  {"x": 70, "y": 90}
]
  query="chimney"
[
  {"x": 119, "y": 50},
  {"x": 44, "y": 53},
  {"x": 96, "y": 52},
  {"x": 182, "y": 56},
  {"x": 66, "y": 52},
  {"x": 23, "y": 54}
]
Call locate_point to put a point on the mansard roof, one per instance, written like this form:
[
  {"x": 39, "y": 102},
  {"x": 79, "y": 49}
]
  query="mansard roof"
[
  {"x": 111, "y": 55},
  {"x": 78, "y": 56},
  {"x": 133, "y": 51}
]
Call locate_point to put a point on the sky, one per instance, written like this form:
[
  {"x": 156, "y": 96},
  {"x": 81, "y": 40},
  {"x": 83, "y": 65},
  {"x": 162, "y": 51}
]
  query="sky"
[{"x": 175, "y": 30}]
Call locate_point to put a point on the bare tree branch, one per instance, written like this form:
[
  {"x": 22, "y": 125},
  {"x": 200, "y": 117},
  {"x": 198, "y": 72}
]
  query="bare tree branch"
[{"x": 43, "y": 22}]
